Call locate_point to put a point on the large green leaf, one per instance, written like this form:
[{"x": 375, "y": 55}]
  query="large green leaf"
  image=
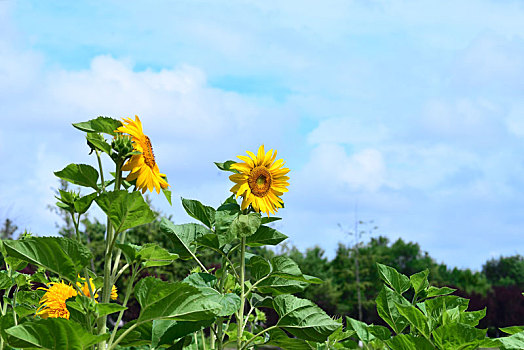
[
  {"x": 361, "y": 329},
  {"x": 154, "y": 255},
  {"x": 303, "y": 319},
  {"x": 434, "y": 308},
  {"x": 224, "y": 217},
  {"x": 276, "y": 285},
  {"x": 79, "y": 174},
  {"x": 197, "y": 210},
  {"x": 5, "y": 281},
  {"x": 286, "y": 268},
  {"x": 259, "y": 267},
  {"x": 83, "y": 203},
  {"x": 125, "y": 210},
  {"x": 435, "y": 292},
  {"x": 183, "y": 236},
  {"x": 179, "y": 301},
  {"x": 245, "y": 225},
  {"x": 387, "y": 301},
  {"x": 265, "y": 236},
  {"x": 415, "y": 317},
  {"x": 472, "y": 318},
  {"x": 409, "y": 342},
  {"x": 52, "y": 333},
  {"x": 105, "y": 125},
  {"x": 399, "y": 282},
  {"x": 458, "y": 336},
  {"x": 63, "y": 256},
  {"x": 229, "y": 302}
]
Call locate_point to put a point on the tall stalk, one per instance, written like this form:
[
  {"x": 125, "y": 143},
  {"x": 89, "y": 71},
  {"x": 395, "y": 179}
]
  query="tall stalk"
[{"x": 240, "y": 320}]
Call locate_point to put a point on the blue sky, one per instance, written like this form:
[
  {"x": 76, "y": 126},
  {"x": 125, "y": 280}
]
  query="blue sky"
[{"x": 411, "y": 109}]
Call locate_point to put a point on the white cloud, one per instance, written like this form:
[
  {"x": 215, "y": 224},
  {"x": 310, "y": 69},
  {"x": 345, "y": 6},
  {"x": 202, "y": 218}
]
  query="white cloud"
[{"x": 351, "y": 131}]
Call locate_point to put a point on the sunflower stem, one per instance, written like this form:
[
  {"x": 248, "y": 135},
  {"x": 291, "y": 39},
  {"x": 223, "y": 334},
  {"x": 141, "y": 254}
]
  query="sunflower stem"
[
  {"x": 110, "y": 238},
  {"x": 101, "y": 170},
  {"x": 240, "y": 320}
]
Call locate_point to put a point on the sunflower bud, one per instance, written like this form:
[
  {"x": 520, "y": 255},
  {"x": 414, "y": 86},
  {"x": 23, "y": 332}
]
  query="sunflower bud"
[{"x": 122, "y": 145}]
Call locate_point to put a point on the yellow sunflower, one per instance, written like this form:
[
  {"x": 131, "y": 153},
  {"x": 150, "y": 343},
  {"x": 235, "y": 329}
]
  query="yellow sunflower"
[
  {"x": 114, "y": 292},
  {"x": 85, "y": 288},
  {"x": 142, "y": 167},
  {"x": 261, "y": 181},
  {"x": 53, "y": 303}
]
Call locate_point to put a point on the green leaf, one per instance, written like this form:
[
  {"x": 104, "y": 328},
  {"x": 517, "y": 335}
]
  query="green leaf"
[
  {"x": 109, "y": 308},
  {"x": 472, "y": 318},
  {"x": 229, "y": 302},
  {"x": 415, "y": 317},
  {"x": 105, "y": 125},
  {"x": 419, "y": 281},
  {"x": 165, "y": 332},
  {"x": 259, "y": 267},
  {"x": 278, "y": 338},
  {"x": 197, "y": 210},
  {"x": 409, "y": 342},
  {"x": 63, "y": 256},
  {"x": 512, "y": 330},
  {"x": 209, "y": 240},
  {"x": 267, "y": 220},
  {"x": 458, "y": 336},
  {"x": 98, "y": 141},
  {"x": 154, "y": 255},
  {"x": 245, "y": 225},
  {"x": 513, "y": 342},
  {"x": 125, "y": 210},
  {"x": 141, "y": 335},
  {"x": 361, "y": 329},
  {"x": 276, "y": 285},
  {"x": 303, "y": 319},
  {"x": 167, "y": 194},
  {"x": 179, "y": 301},
  {"x": 435, "y": 292},
  {"x": 265, "y": 236},
  {"x": 83, "y": 203},
  {"x": 399, "y": 282},
  {"x": 52, "y": 333},
  {"x": 224, "y": 217},
  {"x": 79, "y": 174},
  {"x": 5, "y": 281},
  {"x": 226, "y": 166},
  {"x": 386, "y": 301},
  {"x": 286, "y": 268},
  {"x": 183, "y": 236}
]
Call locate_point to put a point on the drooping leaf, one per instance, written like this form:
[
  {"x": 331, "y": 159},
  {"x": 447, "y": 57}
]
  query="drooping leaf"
[
  {"x": 167, "y": 194},
  {"x": 267, "y": 220},
  {"x": 63, "y": 256},
  {"x": 512, "y": 330},
  {"x": 183, "y": 236},
  {"x": 245, "y": 225},
  {"x": 386, "y": 301},
  {"x": 399, "y": 282},
  {"x": 224, "y": 217},
  {"x": 109, "y": 308},
  {"x": 125, "y": 210},
  {"x": 303, "y": 319},
  {"x": 80, "y": 174},
  {"x": 226, "y": 166},
  {"x": 104, "y": 125},
  {"x": 197, "y": 210},
  {"x": 52, "y": 333},
  {"x": 179, "y": 301},
  {"x": 265, "y": 236}
]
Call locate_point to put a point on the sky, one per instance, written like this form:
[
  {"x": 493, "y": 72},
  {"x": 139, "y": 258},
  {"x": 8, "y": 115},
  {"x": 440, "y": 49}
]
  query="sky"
[{"x": 407, "y": 113}]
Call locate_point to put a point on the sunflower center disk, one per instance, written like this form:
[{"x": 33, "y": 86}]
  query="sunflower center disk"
[
  {"x": 149, "y": 156},
  {"x": 259, "y": 181}
]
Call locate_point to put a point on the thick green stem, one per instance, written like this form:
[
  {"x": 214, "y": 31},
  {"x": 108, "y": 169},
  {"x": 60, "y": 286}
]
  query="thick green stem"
[
  {"x": 108, "y": 280},
  {"x": 240, "y": 320},
  {"x": 126, "y": 299}
]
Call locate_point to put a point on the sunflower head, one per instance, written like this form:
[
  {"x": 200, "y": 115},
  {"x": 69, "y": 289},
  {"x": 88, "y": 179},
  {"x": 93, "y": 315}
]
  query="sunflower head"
[
  {"x": 142, "y": 167},
  {"x": 85, "y": 288},
  {"x": 53, "y": 303},
  {"x": 260, "y": 181}
]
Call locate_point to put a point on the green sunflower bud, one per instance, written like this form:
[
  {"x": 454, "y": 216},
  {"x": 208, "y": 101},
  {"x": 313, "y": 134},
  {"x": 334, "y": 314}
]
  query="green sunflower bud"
[{"x": 122, "y": 145}]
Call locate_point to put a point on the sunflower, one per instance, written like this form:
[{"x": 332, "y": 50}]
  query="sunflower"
[
  {"x": 142, "y": 167},
  {"x": 53, "y": 303},
  {"x": 261, "y": 181},
  {"x": 85, "y": 288}
]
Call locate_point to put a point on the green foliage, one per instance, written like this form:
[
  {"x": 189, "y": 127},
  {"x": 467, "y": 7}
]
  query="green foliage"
[{"x": 80, "y": 174}]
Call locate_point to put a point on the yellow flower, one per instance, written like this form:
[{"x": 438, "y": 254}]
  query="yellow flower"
[
  {"x": 85, "y": 288},
  {"x": 261, "y": 181},
  {"x": 53, "y": 303},
  {"x": 114, "y": 293},
  {"x": 142, "y": 167}
]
